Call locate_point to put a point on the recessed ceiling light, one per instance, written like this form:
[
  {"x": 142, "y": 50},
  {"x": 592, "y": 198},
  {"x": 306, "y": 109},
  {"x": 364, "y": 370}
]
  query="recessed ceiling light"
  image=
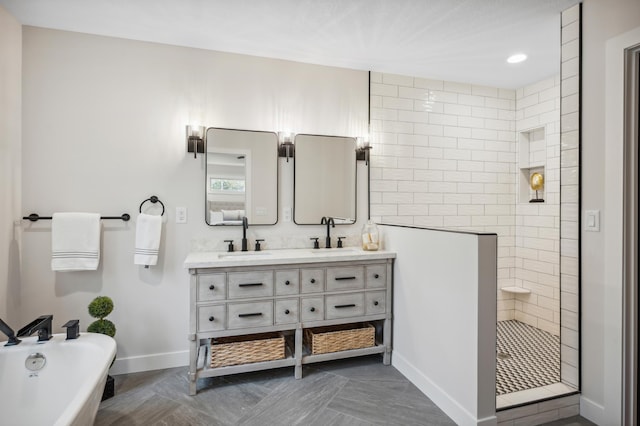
[{"x": 517, "y": 58}]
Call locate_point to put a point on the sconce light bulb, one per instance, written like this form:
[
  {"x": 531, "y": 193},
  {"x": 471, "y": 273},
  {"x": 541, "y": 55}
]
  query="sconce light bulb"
[
  {"x": 363, "y": 142},
  {"x": 195, "y": 131},
  {"x": 285, "y": 137}
]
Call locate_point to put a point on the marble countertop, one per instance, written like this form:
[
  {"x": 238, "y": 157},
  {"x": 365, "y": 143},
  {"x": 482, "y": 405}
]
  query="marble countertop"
[{"x": 280, "y": 257}]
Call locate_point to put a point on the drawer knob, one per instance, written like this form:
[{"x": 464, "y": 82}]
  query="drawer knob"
[
  {"x": 286, "y": 312},
  {"x": 312, "y": 309},
  {"x": 212, "y": 287},
  {"x": 376, "y": 276},
  {"x": 211, "y": 319},
  {"x": 287, "y": 282},
  {"x": 313, "y": 280},
  {"x": 375, "y": 303}
]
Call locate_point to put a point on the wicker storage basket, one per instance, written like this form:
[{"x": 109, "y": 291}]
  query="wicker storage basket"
[
  {"x": 246, "y": 349},
  {"x": 322, "y": 340}
]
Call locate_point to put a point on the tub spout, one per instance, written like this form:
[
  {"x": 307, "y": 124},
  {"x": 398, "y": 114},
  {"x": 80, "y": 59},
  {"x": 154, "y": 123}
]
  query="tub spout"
[
  {"x": 13, "y": 340},
  {"x": 42, "y": 325}
]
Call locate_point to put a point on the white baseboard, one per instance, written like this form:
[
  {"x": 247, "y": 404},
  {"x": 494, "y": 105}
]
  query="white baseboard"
[
  {"x": 443, "y": 400},
  {"x": 592, "y": 411},
  {"x": 136, "y": 364}
]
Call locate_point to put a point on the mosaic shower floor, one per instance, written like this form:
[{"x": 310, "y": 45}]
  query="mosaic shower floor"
[{"x": 527, "y": 357}]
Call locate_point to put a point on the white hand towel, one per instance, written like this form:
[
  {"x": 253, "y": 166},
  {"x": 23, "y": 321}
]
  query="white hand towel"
[
  {"x": 75, "y": 241},
  {"x": 148, "y": 232}
]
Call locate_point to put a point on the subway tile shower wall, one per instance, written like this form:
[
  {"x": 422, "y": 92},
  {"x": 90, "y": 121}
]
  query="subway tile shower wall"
[{"x": 446, "y": 156}]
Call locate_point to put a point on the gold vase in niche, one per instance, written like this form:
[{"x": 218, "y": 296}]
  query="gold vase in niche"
[{"x": 537, "y": 183}]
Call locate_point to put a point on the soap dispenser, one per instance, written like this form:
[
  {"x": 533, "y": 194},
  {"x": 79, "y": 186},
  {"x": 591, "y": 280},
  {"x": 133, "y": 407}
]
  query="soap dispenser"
[{"x": 370, "y": 236}]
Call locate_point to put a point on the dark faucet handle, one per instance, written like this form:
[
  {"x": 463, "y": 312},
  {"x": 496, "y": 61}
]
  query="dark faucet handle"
[
  {"x": 316, "y": 244},
  {"x": 258, "y": 248},
  {"x": 230, "y": 248},
  {"x": 13, "y": 340},
  {"x": 340, "y": 241},
  {"x": 73, "y": 329}
]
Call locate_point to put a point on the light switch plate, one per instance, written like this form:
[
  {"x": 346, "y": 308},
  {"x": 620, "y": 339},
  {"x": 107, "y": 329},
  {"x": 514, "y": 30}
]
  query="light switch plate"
[
  {"x": 181, "y": 215},
  {"x": 592, "y": 220}
]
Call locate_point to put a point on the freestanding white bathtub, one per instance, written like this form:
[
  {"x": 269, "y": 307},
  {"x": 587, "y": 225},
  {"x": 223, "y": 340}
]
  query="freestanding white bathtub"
[{"x": 66, "y": 390}]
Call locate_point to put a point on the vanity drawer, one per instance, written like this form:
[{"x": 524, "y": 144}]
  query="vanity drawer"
[
  {"x": 211, "y": 318},
  {"x": 211, "y": 287},
  {"x": 287, "y": 311},
  {"x": 345, "y": 278},
  {"x": 247, "y": 315},
  {"x": 344, "y": 305},
  {"x": 287, "y": 282},
  {"x": 312, "y": 308},
  {"x": 250, "y": 284},
  {"x": 375, "y": 302},
  {"x": 312, "y": 280},
  {"x": 376, "y": 276}
]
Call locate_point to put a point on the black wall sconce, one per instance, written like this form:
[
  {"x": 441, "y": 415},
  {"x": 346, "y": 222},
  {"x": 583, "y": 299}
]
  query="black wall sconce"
[
  {"x": 195, "y": 140},
  {"x": 286, "y": 147},
  {"x": 363, "y": 147}
]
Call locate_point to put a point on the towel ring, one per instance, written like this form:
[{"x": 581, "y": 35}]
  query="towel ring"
[{"x": 154, "y": 200}]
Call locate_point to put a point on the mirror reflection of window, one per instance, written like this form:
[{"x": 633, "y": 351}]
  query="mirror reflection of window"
[{"x": 219, "y": 184}]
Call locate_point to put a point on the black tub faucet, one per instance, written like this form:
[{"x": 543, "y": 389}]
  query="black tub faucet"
[
  {"x": 245, "y": 226},
  {"x": 13, "y": 340},
  {"x": 42, "y": 325},
  {"x": 329, "y": 222}
]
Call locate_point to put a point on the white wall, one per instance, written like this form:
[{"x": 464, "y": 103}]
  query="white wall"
[
  {"x": 103, "y": 129},
  {"x": 444, "y": 310},
  {"x": 602, "y": 21},
  {"x": 10, "y": 154}
]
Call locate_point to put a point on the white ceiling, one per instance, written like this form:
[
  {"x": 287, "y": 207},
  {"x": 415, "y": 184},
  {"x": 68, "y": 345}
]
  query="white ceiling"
[{"x": 456, "y": 40}]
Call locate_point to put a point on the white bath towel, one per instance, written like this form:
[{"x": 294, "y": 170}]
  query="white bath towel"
[
  {"x": 148, "y": 232},
  {"x": 75, "y": 241}
]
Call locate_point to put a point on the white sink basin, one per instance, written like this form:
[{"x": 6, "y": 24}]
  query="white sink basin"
[{"x": 241, "y": 254}]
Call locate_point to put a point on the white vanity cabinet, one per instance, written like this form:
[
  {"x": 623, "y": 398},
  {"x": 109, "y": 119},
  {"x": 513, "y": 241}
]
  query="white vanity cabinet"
[{"x": 286, "y": 291}]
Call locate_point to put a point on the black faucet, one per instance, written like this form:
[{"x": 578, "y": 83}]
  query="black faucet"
[
  {"x": 245, "y": 226},
  {"x": 13, "y": 340},
  {"x": 42, "y": 325},
  {"x": 329, "y": 222}
]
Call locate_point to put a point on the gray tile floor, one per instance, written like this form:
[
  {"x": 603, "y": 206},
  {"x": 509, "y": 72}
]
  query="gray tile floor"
[{"x": 353, "y": 392}]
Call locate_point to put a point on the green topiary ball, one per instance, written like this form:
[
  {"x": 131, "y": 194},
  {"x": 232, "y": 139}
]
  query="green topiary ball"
[
  {"x": 100, "y": 307},
  {"x": 102, "y": 326}
]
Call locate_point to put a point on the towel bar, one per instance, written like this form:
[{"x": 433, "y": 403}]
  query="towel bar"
[{"x": 33, "y": 217}]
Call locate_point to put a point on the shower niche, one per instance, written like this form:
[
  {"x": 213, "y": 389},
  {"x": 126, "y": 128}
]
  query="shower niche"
[{"x": 532, "y": 156}]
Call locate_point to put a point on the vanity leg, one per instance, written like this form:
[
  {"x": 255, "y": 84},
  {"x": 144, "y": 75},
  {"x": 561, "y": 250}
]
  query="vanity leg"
[
  {"x": 298, "y": 353},
  {"x": 193, "y": 359},
  {"x": 386, "y": 341}
]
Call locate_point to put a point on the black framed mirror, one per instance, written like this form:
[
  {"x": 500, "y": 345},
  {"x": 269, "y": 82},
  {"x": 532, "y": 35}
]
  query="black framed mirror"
[
  {"x": 241, "y": 177},
  {"x": 324, "y": 179}
]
